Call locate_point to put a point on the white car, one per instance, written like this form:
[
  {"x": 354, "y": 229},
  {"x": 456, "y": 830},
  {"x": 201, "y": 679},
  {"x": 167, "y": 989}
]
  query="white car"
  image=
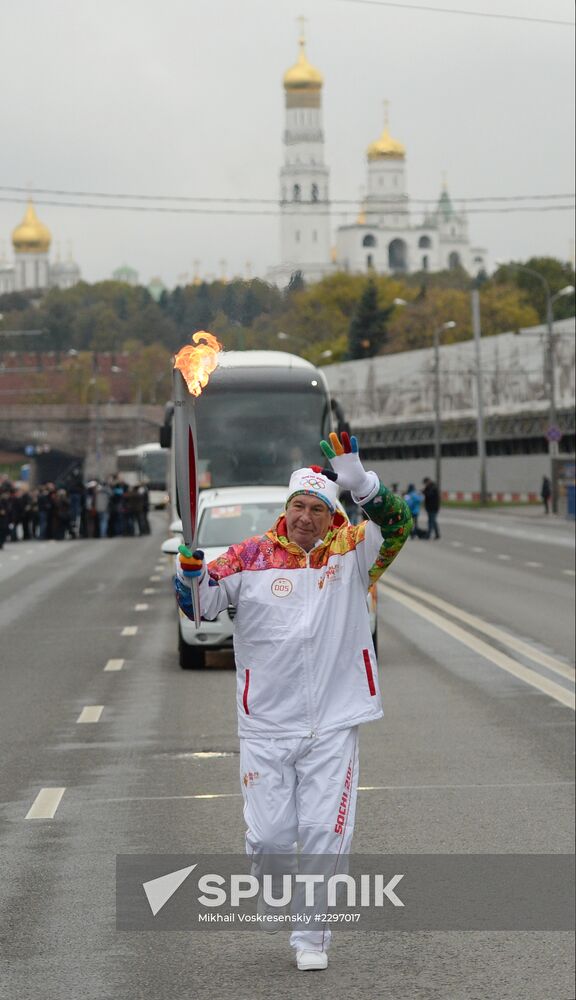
[{"x": 227, "y": 516}]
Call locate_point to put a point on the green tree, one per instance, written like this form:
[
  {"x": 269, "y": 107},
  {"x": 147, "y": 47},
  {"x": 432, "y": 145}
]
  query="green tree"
[
  {"x": 555, "y": 272},
  {"x": 368, "y": 327},
  {"x": 296, "y": 283}
]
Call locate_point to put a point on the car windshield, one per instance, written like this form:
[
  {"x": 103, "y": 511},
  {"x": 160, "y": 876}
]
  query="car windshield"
[{"x": 233, "y": 523}]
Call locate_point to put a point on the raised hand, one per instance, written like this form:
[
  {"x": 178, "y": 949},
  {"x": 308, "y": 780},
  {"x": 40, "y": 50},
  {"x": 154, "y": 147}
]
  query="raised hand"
[{"x": 344, "y": 457}]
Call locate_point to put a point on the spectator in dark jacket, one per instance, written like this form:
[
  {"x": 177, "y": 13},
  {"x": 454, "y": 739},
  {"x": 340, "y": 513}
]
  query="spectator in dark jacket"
[
  {"x": 546, "y": 493},
  {"x": 431, "y": 506}
]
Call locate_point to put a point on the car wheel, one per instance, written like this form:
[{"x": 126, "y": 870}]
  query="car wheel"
[
  {"x": 375, "y": 639},
  {"x": 190, "y": 657}
]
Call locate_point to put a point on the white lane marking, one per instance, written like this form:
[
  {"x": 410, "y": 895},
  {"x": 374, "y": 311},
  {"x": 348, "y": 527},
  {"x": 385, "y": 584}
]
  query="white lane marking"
[
  {"x": 45, "y": 804},
  {"x": 155, "y": 579},
  {"x": 129, "y": 630},
  {"x": 158, "y": 569},
  {"x": 14, "y": 558},
  {"x": 162, "y": 798},
  {"x": 569, "y": 572},
  {"x": 477, "y": 548},
  {"x": 499, "y": 659},
  {"x": 502, "y": 556},
  {"x": 536, "y": 565},
  {"x": 530, "y": 534},
  {"x": 90, "y": 713},
  {"x": 503, "y": 784},
  {"x": 150, "y": 590},
  {"x": 457, "y": 545},
  {"x": 518, "y": 645},
  {"x": 114, "y": 665},
  {"x": 141, "y": 607},
  {"x": 361, "y": 788}
]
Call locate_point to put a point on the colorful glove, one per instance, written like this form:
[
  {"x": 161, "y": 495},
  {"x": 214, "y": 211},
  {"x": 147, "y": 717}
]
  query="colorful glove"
[
  {"x": 190, "y": 564},
  {"x": 345, "y": 460}
]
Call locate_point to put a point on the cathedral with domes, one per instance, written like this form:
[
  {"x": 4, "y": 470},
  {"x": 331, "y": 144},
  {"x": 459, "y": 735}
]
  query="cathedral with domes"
[
  {"x": 32, "y": 268},
  {"x": 385, "y": 238}
]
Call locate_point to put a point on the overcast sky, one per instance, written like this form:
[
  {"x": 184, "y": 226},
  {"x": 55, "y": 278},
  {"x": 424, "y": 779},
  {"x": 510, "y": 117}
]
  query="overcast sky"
[{"x": 185, "y": 97}]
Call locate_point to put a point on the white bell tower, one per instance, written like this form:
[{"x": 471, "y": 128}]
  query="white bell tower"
[{"x": 304, "y": 191}]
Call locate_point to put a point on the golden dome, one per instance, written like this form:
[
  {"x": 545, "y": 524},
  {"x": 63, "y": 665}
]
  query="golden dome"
[
  {"x": 302, "y": 76},
  {"x": 386, "y": 148},
  {"x": 31, "y": 236}
]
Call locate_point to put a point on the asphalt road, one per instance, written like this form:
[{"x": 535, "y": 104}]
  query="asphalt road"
[{"x": 475, "y": 755}]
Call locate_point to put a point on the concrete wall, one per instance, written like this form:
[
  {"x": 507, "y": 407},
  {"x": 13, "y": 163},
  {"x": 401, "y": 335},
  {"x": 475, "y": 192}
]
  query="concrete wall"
[
  {"x": 504, "y": 473},
  {"x": 94, "y": 432}
]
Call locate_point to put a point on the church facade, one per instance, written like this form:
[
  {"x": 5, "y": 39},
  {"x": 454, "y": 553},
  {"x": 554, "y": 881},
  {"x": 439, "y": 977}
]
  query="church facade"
[
  {"x": 385, "y": 238},
  {"x": 32, "y": 268}
]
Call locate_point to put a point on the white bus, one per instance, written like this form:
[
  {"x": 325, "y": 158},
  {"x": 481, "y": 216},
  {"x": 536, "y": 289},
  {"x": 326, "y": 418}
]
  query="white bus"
[
  {"x": 261, "y": 416},
  {"x": 147, "y": 464}
]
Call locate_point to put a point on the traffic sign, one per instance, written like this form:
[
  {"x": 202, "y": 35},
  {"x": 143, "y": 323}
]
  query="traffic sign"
[{"x": 553, "y": 434}]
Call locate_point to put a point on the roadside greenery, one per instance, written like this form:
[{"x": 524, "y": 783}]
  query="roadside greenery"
[{"x": 344, "y": 316}]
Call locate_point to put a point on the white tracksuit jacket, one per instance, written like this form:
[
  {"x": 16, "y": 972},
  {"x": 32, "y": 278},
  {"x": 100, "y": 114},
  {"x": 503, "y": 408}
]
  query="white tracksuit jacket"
[{"x": 304, "y": 654}]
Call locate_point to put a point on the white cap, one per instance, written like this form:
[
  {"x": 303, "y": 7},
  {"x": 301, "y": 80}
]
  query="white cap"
[{"x": 314, "y": 484}]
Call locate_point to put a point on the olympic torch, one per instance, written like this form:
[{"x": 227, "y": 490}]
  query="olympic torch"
[{"x": 193, "y": 366}]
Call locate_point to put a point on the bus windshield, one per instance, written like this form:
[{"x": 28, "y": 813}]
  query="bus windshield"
[
  {"x": 250, "y": 435},
  {"x": 153, "y": 469}
]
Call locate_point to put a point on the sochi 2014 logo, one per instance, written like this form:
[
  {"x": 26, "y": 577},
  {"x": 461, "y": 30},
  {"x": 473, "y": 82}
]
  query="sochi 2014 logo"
[{"x": 281, "y": 587}]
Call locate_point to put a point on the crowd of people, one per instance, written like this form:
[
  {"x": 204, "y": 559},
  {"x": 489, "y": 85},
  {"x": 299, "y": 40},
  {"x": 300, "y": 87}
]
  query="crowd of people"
[{"x": 52, "y": 511}]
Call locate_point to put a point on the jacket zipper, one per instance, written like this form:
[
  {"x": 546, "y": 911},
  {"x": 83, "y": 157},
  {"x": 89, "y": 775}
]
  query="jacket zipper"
[{"x": 308, "y": 608}]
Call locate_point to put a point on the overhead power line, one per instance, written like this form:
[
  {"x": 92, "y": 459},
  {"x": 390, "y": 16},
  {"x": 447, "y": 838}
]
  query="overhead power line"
[
  {"x": 205, "y": 199},
  {"x": 462, "y": 13},
  {"x": 168, "y": 210}
]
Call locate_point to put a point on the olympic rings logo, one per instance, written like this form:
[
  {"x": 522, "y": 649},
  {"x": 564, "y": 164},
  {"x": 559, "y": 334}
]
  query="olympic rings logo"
[{"x": 314, "y": 482}]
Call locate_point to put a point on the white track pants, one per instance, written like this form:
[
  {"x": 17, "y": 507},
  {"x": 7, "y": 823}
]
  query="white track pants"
[{"x": 300, "y": 793}]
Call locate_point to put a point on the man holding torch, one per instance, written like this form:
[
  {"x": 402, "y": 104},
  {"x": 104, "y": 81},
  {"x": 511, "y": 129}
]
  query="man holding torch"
[{"x": 306, "y": 667}]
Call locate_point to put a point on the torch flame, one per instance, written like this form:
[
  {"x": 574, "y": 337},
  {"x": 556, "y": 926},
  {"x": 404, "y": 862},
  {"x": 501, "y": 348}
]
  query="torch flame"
[{"x": 198, "y": 360}]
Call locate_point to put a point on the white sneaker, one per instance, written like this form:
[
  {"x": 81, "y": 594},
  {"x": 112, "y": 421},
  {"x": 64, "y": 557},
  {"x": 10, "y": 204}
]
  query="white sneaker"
[{"x": 310, "y": 960}]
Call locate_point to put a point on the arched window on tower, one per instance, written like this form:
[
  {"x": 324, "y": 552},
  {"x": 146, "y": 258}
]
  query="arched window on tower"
[
  {"x": 425, "y": 262},
  {"x": 397, "y": 256},
  {"x": 369, "y": 241},
  {"x": 424, "y": 242},
  {"x": 454, "y": 261},
  {"x": 296, "y": 192},
  {"x": 369, "y": 262},
  {"x": 314, "y": 192}
]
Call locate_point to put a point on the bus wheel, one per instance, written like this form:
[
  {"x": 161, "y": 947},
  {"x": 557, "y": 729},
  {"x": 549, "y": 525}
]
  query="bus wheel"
[{"x": 190, "y": 657}]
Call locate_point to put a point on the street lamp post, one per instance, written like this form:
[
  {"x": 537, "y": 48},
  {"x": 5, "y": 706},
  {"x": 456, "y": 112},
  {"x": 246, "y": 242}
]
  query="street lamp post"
[
  {"x": 550, "y": 368},
  {"x": 449, "y": 325}
]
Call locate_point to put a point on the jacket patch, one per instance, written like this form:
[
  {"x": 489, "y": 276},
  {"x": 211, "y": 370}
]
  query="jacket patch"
[
  {"x": 250, "y": 779},
  {"x": 330, "y": 575},
  {"x": 281, "y": 587}
]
